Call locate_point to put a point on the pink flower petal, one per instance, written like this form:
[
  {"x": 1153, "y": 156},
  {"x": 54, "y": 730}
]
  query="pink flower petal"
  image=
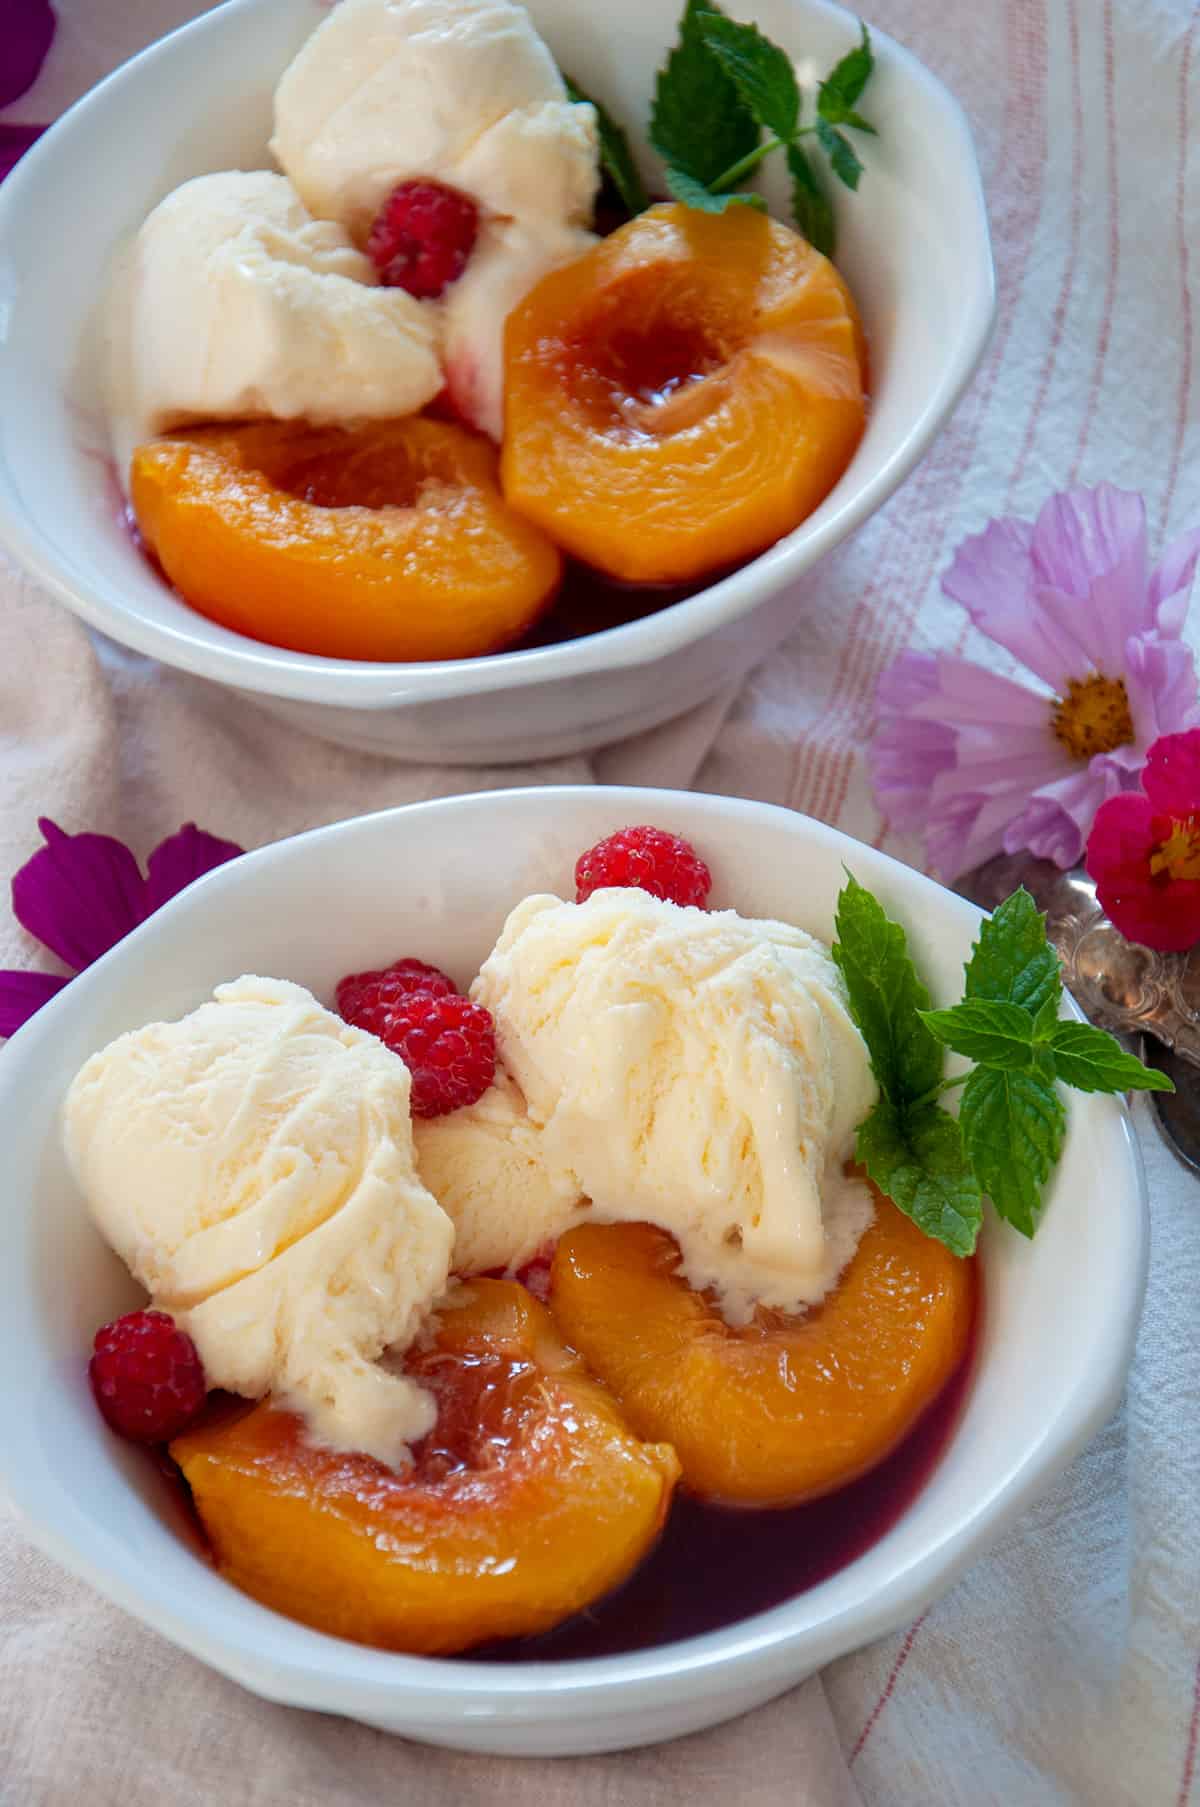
[
  {"x": 1055, "y": 823},
  {"x": 906, "y": 753},
  {"x": 991, "y": 575},
  {"x": 964, "y": 831},
  {"x": 181, "y": 859},
  {"x": 1171, "y": 779},
  {"x": 22, "y": 994},
  {"x": 1045, "y": 829},
  {"x": 1160, "y": 682},
  {"x": 1171, "y": 582},
  {"x": 15, "y": 140},
  {"x": 27, "y": 35},
  {"x": 79, "y": 894},
  {"x": 968, "y": 695},
  {"x": 1084, "y": 533}
]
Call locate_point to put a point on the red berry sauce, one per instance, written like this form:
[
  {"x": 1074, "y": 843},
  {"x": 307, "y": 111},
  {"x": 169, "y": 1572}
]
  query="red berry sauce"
[{"x": 715, "y": 1565}]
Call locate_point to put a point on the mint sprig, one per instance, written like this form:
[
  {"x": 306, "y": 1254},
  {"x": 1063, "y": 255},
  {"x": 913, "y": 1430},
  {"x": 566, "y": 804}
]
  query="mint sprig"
[
  {"x": 910, "y": 1146},
  {"x": 699, "y": 124},
  {"x": 1009, "y": 1133},
  {"x": 767, "y": 84},
  {"x": 759, "y": 70},
  {"x": 724, "y": 85},
  {"x": 616, "y": 158},
  {"x": 685, "y": 188}
]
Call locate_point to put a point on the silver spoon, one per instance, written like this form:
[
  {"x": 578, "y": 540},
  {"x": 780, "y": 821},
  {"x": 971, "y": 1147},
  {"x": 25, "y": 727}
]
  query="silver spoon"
[{"x": 1145, "y": 997}]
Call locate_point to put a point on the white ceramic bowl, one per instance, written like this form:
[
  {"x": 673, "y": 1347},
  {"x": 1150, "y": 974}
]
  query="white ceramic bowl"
[
  {"x": 914, "y": 245},
  {"x": 437, "y": 879}
]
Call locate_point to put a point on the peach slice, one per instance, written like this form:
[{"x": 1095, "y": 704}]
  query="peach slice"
[
  {"x": 785, "y": 1409},
  {"x": 529, "y": 1499},
  {"x": 683, "y": 395},
  {"x": 391, "y": 541}
]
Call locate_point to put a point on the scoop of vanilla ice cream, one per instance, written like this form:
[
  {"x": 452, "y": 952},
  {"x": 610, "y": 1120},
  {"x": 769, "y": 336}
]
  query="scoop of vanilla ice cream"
[
  {"x": 486, "y": 1167},
  {"x": 463, "y": 92},
  {"x": 236, "y": 303},
  {"x": 695, "y": 1069},
  {"x": 253, "y": 1165},
  {"x": 507, "y": 261}
]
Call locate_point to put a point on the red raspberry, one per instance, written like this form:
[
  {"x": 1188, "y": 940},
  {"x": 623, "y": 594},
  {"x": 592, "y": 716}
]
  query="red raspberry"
[
  {"x": 447, "y": 1043},
  {"x": 362, "y": 996},
  {"x": 649, "y": 859},
  {"x": 146, "y": 1376},
  {"x": 422, "y": 237}
]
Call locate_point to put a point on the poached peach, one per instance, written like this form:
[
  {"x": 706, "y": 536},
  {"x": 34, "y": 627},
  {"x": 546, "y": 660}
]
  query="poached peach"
[
  {"x": 784, "y": 1409},
  {"x": 683, "y": 395},
  {"x": 528, "y": 1500},
  {"x": 389, "y": 541}
]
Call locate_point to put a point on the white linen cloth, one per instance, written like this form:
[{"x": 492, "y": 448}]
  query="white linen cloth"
[{"x": 1062, "y": 1671}]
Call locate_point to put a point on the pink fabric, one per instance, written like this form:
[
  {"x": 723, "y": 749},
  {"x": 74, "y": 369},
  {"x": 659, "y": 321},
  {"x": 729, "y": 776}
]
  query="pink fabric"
[{"x": 1064, "y": 1668}]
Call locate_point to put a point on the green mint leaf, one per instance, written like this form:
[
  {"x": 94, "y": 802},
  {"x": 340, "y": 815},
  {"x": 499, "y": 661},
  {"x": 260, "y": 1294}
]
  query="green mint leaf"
[
  {"x": 1091, "y": 1061},
  {"x": 694, "y": 194},
  {"x": 1046, "y": 1018},
  {"x": 859, "y": 123},
  {"x": 886, "y": 997},
  {"x": 761, "y": 72},
  {"x": 699, "y": 123},
  {"x": 811, "y": 207},
  {"x": 982, "y": 1029},
  {"x": 1013, "y": 1126},
  {"x": 616, "y": 158},
  {"x": 844, "y": 84},
  {"x": 1012, "y": 961},
  {"x": 843, "y": 158},
  {"x": 917, "y": 1157}
]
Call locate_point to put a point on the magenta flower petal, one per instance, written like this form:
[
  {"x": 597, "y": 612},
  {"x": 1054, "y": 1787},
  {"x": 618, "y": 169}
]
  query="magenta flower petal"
[
  {"x": 181, "y": 859},
  {"x": 15, "y": 140},
  {"x": 22, "y": 994},
  {"x": 1171, "y": 779},
  {"x": 79, "y": 894},
  {"x": 28, "y": 34}
]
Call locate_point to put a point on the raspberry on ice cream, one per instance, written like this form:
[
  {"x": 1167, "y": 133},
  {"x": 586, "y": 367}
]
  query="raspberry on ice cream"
[
  {"x": 422, "y": 237},
  {"x": 447, "y": 1043},
  {"x": 650, "y": 860},
  {"x": 147, "y": 1377},
  {"x": 359, "y": 992}
]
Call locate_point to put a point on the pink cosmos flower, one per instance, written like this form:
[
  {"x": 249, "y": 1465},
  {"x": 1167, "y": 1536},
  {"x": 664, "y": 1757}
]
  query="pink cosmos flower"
[
  {"x": 977, "y": 763},
  {"x": 27, "y": 34},
  {"x": 1144, "y": 849},
  {"x": 82, "y": 893}
]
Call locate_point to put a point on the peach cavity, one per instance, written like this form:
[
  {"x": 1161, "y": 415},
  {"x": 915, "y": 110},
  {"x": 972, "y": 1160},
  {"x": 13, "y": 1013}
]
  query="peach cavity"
[
  {"x": 682, "y": 395},
  {"x": 391, "y": 541}
]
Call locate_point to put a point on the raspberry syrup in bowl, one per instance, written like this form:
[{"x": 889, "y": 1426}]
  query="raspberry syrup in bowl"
[{"x": 715, "y": 1565}]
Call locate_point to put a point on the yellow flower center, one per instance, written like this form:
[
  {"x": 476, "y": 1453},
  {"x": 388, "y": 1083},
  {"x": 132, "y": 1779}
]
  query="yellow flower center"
[
  {"x": 1179, "y": 855},
  {"x": 1094, "y": 716}
]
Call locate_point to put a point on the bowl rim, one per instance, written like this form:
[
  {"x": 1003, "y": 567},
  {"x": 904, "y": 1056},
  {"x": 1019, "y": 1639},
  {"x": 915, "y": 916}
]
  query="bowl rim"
[
  {"x": 201, "y": 648},
  {"x": 331, "y": 1673}
]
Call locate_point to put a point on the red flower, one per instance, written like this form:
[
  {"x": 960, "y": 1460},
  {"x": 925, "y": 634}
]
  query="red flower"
[{"x": 1144, "y": 849}]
